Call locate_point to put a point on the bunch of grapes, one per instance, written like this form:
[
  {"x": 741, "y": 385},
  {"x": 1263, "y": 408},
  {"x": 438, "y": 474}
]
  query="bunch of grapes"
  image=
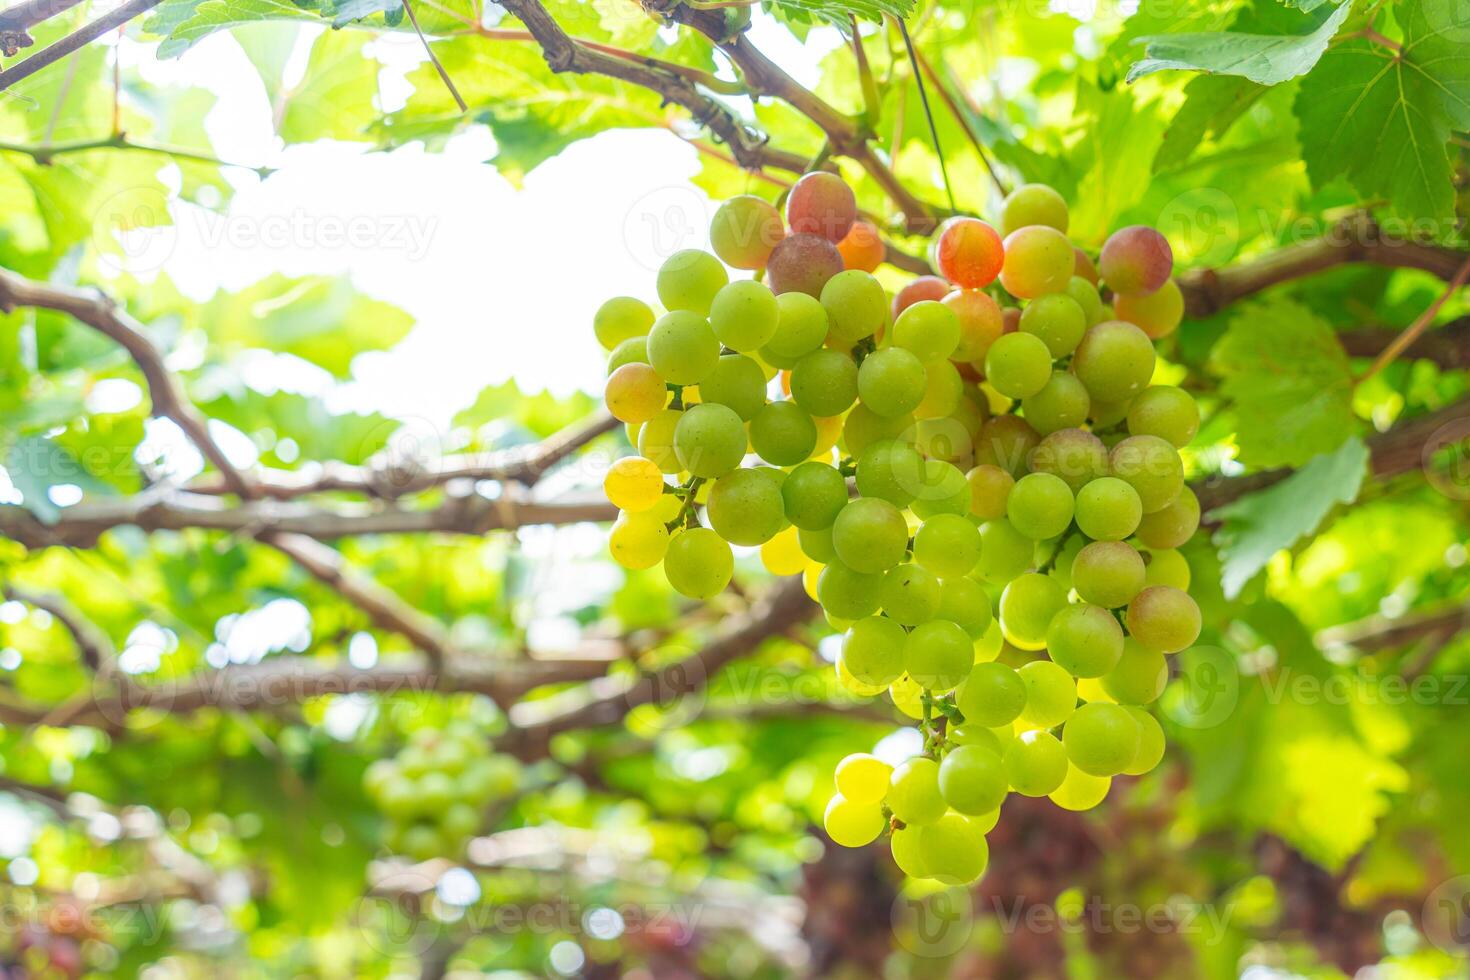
[
  {"x": 978, "y": 464},
  {"x": 436, "y": 790}
]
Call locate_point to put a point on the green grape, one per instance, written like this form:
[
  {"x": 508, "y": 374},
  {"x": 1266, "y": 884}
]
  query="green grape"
[
  {"x": 1051, "y": 694},
  {"x": 1062, "y": 403},
  {"x": 1085, "y": 295},
  {"x": 1061, "y": 558},
  {"x": 870, "y": 535},
  {"x": 972, "y": 779},
  {"x": 1004, "y": 552},
  {"x": 910, "y": 594},
  {"x": 938, "y": 655},
  {"x": 1158, "y": 313},
  {"x": 738, "y": 383},
  {"x": 422, "y": 843},
  {"x": 656, "y": 440},
  {"x": 1036, "y": 762},
  {"x": 913, "y": 792},
  {"x": 744, "y": 230},
  {"x": 1152, "y": 467},
  {"x": 852, "y": 824},
  {"x": 1018, "y": 365},
  {"x": 1080, "y": 791},
  {"x": 848, "y": 594},
  {"x": 783, "y": 434},
  {"x": 1007, "y": 441},
  {"x": 744, "y": 315},
  {"x": 856, "y": 306},
  {"x": 993, "y": 695},
  {"x": 816, "y": 544},
  {"x": 699, "y": 563},
  {"x": 977, "y": 735},
  {"x": 824, "y": 382},
  {"x": 948, "y": 545},
  {"x": 990, "y": 490},
  {"x": 745, "y": 506},
  {"x": 635, "y": 393},
  {"x": 1138, "y": 677},
  {"x": 435, "y": 791},
  {"x": 863, "y": 778},
  {"x": 620, "y": 319},
  {"x": 1038, "y": 260},
  {"x": 1108, "y": 573},
  {"x": 1057, "y": 320},
  {"x": 634, "y": 350},
  {"x": 814, "y": 494},
  {"x": 1115, "y": 361},
  {"x": 682, "y": 348},
  {"x": 1033, "y": 204},
  {"x": 1078, "y": 457},
  {"x": 1085, "y": 640},
  {"x": 954, "y": 850},
  {"x": 689, "y": 280},
  {"x": 709, "y": 440},
  {"x": 988, "y": 647},
  {"x": 1165, "y": 566},
  {"x": 801, "y": 328},
  {"x": 1026, "y": 609},
  {"x": 1166, "y": 412},
  {"x": 1101, "y": 739},
  {"x": 963, "y": 602},
  {"x": 943, "y": 390},
  {"x": 638, "y": 541},
  {"x": 1174, "y": 524},
  {"x": 863, "y": 427},
  {"x": 944, "y": 490},
  {"x": 908, "y": 696},
  {"x": 909, "y": 853},
  {"x": 1108, "y": 509},
  {"x": 890, "y": 470},
  {"x": 459, "y": 820},
  {"x": 1040, "y": 506},
  {"x": 1150, "y": 743},
  {"x": 1164, "y": 619},
  {"x": 891, "y": 382},
  {"x": 929, "y": 330}
]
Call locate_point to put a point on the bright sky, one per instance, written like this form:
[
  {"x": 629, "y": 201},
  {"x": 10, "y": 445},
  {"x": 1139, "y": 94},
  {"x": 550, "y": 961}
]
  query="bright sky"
[{"x": 503, "y": 282}]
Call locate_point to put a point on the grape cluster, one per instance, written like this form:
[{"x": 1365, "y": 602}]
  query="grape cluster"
[
  {"x": 435, "y": 791},
  {"x": 956, "y": 474}
]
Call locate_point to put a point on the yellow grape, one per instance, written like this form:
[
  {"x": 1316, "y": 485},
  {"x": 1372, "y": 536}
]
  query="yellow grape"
[
  {"x": 782, "y": 554},
  {"x": 634, "y": 484},
  {"x": 863, "y": 778},
  {"x": 639, "y": 541},
  {"x": 907, "y": 696},
  {"x": 854, "y": 686},
  {"x": 852, "y": 824},
  {"x": 1079, "y": 790}
]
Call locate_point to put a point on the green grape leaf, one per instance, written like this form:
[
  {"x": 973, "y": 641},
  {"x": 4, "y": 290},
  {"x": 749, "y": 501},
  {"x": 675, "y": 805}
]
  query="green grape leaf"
[
  {"x": 1211, "y": 104},
  {"x": 1290, "y": 381},
  {"x": 1268, "y": 59},
  {"x": 839, "y": 13},
  {"x": 36, "y": 465},
  {"x": 1383, "y": 117},
  {"x": 183, "y": 23},
  {"x": 321, "y": 320},
  {"x": 1256, "y": 526},
  {"x": 335, "y": 100}
]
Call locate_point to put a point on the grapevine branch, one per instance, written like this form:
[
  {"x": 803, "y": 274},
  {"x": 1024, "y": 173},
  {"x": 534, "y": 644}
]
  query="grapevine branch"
[
  {"x": 93, "y": 646},
  {"x": 72, "y": 42},
  {"x": 1382, "y": 632}
]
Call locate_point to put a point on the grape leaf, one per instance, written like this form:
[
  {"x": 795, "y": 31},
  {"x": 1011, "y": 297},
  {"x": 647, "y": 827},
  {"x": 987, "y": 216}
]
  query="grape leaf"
[
  {"x": 1260, "y": 524},
  {"x": 35, "y": 465},
  {"x": 1265, "y": 58},
  {"x": 1211, "y": 104},
  {"x": 839, "y": 13},
  {"x": 335, "y": 100},
  {"x": 1384, "y": 117},
  {"x": 1290, "y": 382},
  {"x": 183, "y": 23}
]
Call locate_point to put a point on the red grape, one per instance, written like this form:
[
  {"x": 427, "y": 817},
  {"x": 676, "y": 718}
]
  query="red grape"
[
  {"x": 821, "y": 204},
  {"x": 1136, "y": 259},
  {"x": 862, "y": 248},
  {"x": 802, "y": 263},
  {"x": 969, "y": 253},
  {"x": 922, "y": 288}
]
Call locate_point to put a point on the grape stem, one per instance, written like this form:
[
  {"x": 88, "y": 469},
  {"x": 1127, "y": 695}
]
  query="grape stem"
[
  {"x": 1056, "y": 552},
  {"x": 689, "y": 491}
]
